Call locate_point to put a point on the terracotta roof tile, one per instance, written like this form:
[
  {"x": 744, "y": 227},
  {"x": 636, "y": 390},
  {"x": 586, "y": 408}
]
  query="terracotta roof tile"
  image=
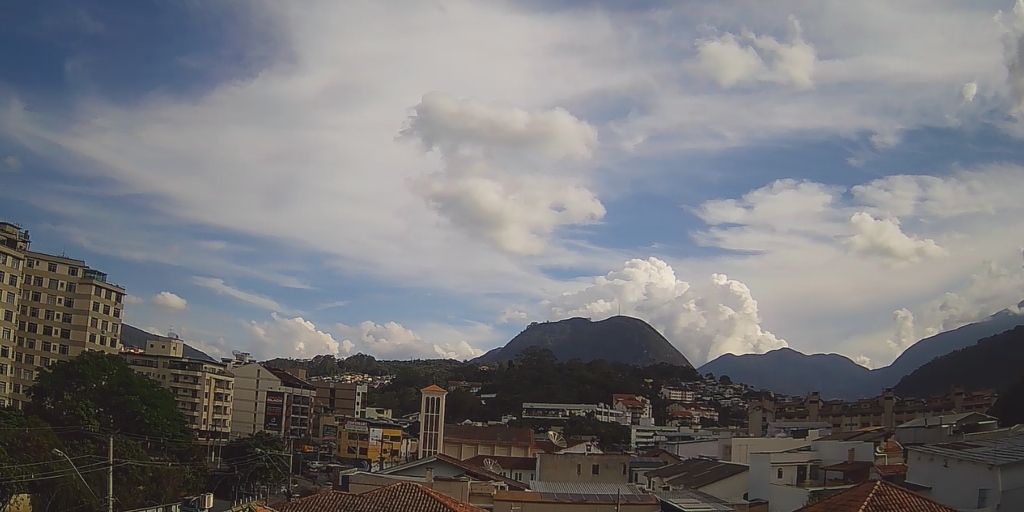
[
  {"x": 876, "y": 496},
  {"x": 887, "y": 470},
  {"x": 434, "y": 388},
  {"x": 497, "y": 434},
  {"x": 404, "y": 496}
]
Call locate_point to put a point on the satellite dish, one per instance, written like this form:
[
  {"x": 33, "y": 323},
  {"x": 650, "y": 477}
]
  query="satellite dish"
[
  {"x": 492, "y": 466},
  {"x": 557, "y": 439}
]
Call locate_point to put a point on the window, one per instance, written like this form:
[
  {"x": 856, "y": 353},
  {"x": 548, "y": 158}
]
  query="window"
[
  {"x": 92, "y": 337},
  {"x": 65, "y": 334},
  {"x": 779, "y": 473},
  {"x": 54, "y": 284},
  {"x": 37, "y": 281},
  {"x": 48, "y": 314},
  {"x": 2, "y": 275},
  {"x": 66, "y": 318},
  {"x": 17, "y": 357},
  {"x": 51, "y": 267},
  {"x": 44, "y": 361},
  {"x": 519, "y": 477},
  {"x": 113, "y": 328},
  {"x": 106, "y": 310},
  {"x": 37, "y": 297},
  {"x": 113, "y": 342},
  {"x": 8, "y": 316},
  {"x": 117, "y": 313},
  {"x": 73, "y": 271},
  {"x": 97, "y": 291},
  {"x": 69, "y": 302},
  {"x": 11, "y": 297},
  {"x": 16, "y": 388},
  {"x": 106, "y": 324},
  {"x": 6, "y": 333},
  {"x": 47, "y": 346},
  {"x": 33, "y": 312},
  {"x": 30, "y": 344},
  {"x": 47, "y": 330},
  {"x": 118, "y": 297},
  {"x": 579, "y": 470},
  {"x": 15, "y": 263},
  {"x": 625, "y": 468},
  {"x": 33, "y": 328},
  {"x": 12, "y": 280},
  {"x": 64, "y": 350},
  {"x": 3, "y": 259},
  {"x": 30, "y": 263},
  {"x": 95, "y": 322},
  {"x": 595, "y": 469},
  {"x": 72, "y": 288},
  {"x": 5, "y": 352},
  {"x": 96, "y": 307},
  {"x": 103, "y": 342},
  {"x": 51, "y": 299},
  {"x": 30, "y": 359},
  {"x": 983, "y": 498}
]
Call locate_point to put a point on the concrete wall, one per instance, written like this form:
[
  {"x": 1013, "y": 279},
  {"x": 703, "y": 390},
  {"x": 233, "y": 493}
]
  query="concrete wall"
[
  {"x": 784, "y": 498},
  {"x": 694, "y": 449},
  {"x": 742, "y": 447},
  {"x": 611, "y": 469},
  {"x": 464, "y": 450},
  {"x": 732, "y": 488},
  {"x": 953, "y": 482}
]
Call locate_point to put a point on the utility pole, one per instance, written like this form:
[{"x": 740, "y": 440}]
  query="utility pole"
[
  {"x": 291, "y": 464},
  {"x": 110, "y": 476}
]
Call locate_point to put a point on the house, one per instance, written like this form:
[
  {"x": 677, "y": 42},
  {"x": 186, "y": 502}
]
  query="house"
[
  {"x": 875, "y": 496},
  {"x": 520, "y": 469},
  {"x": 722, "y": 479},
  {"x": 944, "y": 428},
  {"x": 688, "y": 500},
  {"x": 479, "y": 493},
  {"x": 405, "y": 496},
  {"x": 443, "y": 466},
  {"x": 677, "y": 395},
  {"x": 985, "y": 474},
  {"x": 562, "y": 412},
  {"x": 648, "y": 437},
  {"x": 697, "y": 411},
  {"x": 635, "y": 408},
  {"x": 577, "y": 467},
  {"x": 788, "y": 479},
  {"x": 577, "y": 497},
  {"x": 467, "y": 441}
]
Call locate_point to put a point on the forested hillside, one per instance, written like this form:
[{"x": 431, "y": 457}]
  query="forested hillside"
[{"x": 996, "y": 362}]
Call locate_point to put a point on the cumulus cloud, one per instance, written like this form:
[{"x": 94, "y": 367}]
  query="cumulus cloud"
[
  {"x": 12, "y": 162},
  {"x": 1013, "y": 53},
  {"x": 170, "y": 301},
  {"x": 511, "y": 315},
  {"x": 703, "y": 321},
  {"x": 905, "y": 333},
  {"x": 885, "y": 238},
  {"x": 969, "y": 91},
  {"x": 732, "y": 59},
  {"x": 293, "y": 337},
  {"x": 218, "y": 286},
  {"x": 886, "y": 139},
  {"x": 391, "y": 340},
  {"x": 863, "y": 361},
  {"x": 133, "y": 300},
  {"x": 483, "y": 188}
]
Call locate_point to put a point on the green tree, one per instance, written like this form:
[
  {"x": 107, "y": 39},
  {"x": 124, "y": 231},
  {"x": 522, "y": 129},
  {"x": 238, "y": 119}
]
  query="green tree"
[
  {"x": 253, "y": 463},
  {"x": 1009, "y": 407}
]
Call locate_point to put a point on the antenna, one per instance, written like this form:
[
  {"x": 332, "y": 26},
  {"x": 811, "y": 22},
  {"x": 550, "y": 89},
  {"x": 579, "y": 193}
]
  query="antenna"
[
  {"x": 492, "y": 466},
  {"x": 557, "y": 439}
]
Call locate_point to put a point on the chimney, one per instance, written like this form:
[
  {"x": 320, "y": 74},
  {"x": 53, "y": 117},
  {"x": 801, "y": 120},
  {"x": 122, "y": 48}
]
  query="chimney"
[
  {"x": 851, "y": 455},
  {"x": 429, "y": 477}
]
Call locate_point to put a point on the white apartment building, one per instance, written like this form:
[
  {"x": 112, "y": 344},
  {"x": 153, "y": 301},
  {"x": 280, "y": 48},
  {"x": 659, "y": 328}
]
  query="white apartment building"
[
  {"x": 272, "y": 400},
  {"x": 636, "y": 409},
  {"x": 678, "y": 395},
  {"x": 787, "y": 479},
  {"x": 562, "y": 412},
  {"x": 977, "y": 475}
]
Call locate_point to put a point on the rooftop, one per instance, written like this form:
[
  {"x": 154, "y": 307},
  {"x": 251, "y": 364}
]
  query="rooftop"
[
  {"x": 288, "y": 379},
  {"x": 696, "y": 473},
  {"x": 433, "y": 388},
  {"x": 948, "y": 419},
  {"x": 876, "y": 496},
  {"x": 997, "y": 452},
  {"x": 399, "y": 496},
  {"x": 575, "y": 498},
  {"x": 693, "y": 501},
  {"x": 870, "y": 434},
  {"x": 586, "y": 488},
  {"x": 498, "y": 434},
  {"x": 474, "y": 471}
]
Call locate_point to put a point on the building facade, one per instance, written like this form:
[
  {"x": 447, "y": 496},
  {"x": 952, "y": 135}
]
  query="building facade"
[
  {"x": 341, "y": 398},
  {"x": 271, "y": 400},
  {"x": 59, "y": 308},
  {"x": 375, "y": 445},
  {"x": 202, "y": 389},
  {"x": 431, "y": 421},
  {"x": 562, "y": 412},
  {"x": 590, "y": 468},
  {"x": 636, "y": 409}
]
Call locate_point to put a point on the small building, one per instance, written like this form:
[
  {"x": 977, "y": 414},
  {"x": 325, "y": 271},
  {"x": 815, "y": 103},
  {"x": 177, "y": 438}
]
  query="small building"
[
  {"x": 944, "y": 428},
  {"x": 467, "y": 441},
  {"x": 677, "y": 395},
  {"x": 443, "y": 466},
  {"x": 649, "y": 437},
  {"x": 985, "y": 474},
  {"x": 520, "y": 469},
  {"x": 591, "y": 468},
  {"x": 722, "y": 479},
  {"x": 563, "y": 412},
  {"x": 876, "y": 496},
  {"x": 789, "y": 479},
  {"x": 635, "y": 408},
  {"x": 402, "y": 494}
]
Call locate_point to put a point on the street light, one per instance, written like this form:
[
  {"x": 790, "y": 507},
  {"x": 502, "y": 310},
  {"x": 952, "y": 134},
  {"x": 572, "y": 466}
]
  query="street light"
[{"x": 62, "y": 454}]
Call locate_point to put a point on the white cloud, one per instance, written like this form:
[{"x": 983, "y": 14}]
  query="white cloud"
[
  {"x": 1013, "y": 53},
  {"x": 133, "y": 300},
  {"x": 886, "y": 139},
  {"x": 730, "y": 59},
  {"x": 702, "y": 321},
  {"x": 885, "y": 238},
  {"x": 332, "y": 305},
  {"x": 293, "y": 337},
  {"x": 863, "y": 361},
  {"x": 169, "y": 300},
  {"x": 511, "y": 315},
  {"x": 969, "y": 91},
  {"x": 12, "y": 162},
  {"x": 391, "y": 340},
  {"x": 218, "y": 286}
]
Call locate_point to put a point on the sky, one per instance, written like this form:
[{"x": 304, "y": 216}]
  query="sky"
[{"x": 424, "y": 179}]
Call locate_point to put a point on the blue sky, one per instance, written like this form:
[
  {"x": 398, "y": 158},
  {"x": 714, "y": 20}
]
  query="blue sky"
[{"x": 423, "y": 180}]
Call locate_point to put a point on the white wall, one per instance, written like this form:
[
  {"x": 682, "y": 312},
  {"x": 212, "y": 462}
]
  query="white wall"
[
  {"x": 783, "y": 498},
  {"x": 732, "y": 488},
  {"x": 742, "y": 447},
  {"x": 694, "y": 449},
  {"x": 759, "y": 479},
  {"x": 953, "y": 482},
  {"x": 834, "y": 452}
]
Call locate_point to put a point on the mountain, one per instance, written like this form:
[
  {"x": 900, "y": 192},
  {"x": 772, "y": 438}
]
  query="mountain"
[
  {"x": 619, "y": 339},
  {"x": 135, "y": 337},
  {"x": 789, "y": 372},
  {"x": 834, "y": 375},
  {"x": 996, "y": 362}
]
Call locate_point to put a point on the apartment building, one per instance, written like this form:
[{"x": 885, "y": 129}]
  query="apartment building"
[
  {"x": 60, "y": 308},
  {"x": 341, "y": 398},
  {"x": 272, "y": 400},
  {"x": 635, "y": 408},
  {"x": 562, "y": 412},
  {"x": 202, "y": 389}
]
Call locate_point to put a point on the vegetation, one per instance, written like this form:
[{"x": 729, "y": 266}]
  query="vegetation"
[
  {"x": 77, "y": 406},
  {"x": 619, "y": 339},
  {"x": 996, "y": 362},
  {"x": 253, "y": 464}
]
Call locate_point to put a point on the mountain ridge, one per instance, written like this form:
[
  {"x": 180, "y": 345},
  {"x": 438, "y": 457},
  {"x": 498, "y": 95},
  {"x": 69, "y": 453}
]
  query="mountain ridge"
[
  {"x": 843, "y": 378},
  {"x": 587, "y": 340}
]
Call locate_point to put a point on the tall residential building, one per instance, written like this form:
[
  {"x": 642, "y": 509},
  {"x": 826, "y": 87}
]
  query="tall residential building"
[
  {"x": 431, "y": 421},
  {"x": 60, "y": 309},
  {"x": 14, "y": 242},
  {"x": 202, "y": 388},
  {"x": 272, "y": 400},
  {"x": 341, "y": 398}
]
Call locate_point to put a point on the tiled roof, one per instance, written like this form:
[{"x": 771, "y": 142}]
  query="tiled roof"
[
  {"x": 947, "y": 419},
  {"x": 696, "y": 473},
  {"x": 871, "y": 434},
  {"x": 658, "y": 452},
  {"x": 473, "y": 471},
  {"x": 998, "y": 452},
  {"x": 888, "y": 470},
  {"x": 626, "y": 500},
  {"x": 876, "y": 496},
  {"x": 547, "y": 446},
  {"x": 585, "y": 488},
  {"x": 403, "y": 496},
  {"x": 892, "y": 447},
  {"x": 434, "y": 388},
  {"x": 497, "y": 434},
  {"x": 517, "y": 463}
]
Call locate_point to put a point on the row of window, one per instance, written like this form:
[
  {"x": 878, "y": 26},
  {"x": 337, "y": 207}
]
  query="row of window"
[
  {"x": 46, "y": 330},
  {"x": 45, "y": 346},
  {"x": 11, "y": 279},
  {"x": 10, "y": 261},
  {"x": 51, "y": 266}
]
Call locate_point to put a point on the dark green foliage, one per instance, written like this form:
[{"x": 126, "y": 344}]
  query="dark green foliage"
[
  {"x": 619, "y": 339},
  {"x": 253, "y": 463},
  {"x": 97, "y": 390},
  {"x": 995, "y": 363},
  {"x": 610, "y": 436},
  {"x": 1009, "y": 408}
]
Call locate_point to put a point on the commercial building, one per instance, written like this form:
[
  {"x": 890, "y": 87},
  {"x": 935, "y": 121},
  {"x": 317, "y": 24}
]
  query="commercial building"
[
  {"x": 59, "y": 307},
  {"x": 373, "y": 445},
  {"x": 341, "y": 398},
  {"x": 272, "y": 400},
  {"x": 562, "y": 412},
  {"x": 887, "y": 410},
  {"x": 202, "y": 389}
]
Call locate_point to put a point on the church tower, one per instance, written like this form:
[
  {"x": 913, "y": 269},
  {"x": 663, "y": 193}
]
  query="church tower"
[{"x": 432, "y": 421}]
